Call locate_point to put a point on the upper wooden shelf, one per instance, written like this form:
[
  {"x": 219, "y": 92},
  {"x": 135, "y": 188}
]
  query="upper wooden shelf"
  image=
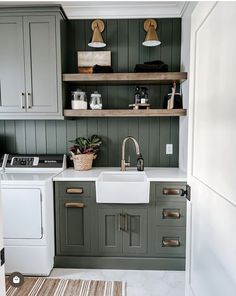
[
  {"x": 126, "y": 78},
  {"x": 124, "y": 113}
]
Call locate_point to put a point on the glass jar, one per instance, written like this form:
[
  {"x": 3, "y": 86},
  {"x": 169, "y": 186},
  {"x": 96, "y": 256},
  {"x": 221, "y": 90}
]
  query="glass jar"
[
  {"x": 79, "y": 99},
  {"x": 144, "y": 95},
  {"x": 95, "y": 101}
]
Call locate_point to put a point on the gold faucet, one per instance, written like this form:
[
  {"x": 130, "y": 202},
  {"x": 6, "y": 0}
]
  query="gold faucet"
[{"x": 125, "y": 164}]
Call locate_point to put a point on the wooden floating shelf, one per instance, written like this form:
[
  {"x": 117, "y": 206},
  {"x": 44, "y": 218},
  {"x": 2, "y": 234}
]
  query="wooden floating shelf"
[
  {"x": 126, "y": 78},
  {"x": 124, "y": 113}
]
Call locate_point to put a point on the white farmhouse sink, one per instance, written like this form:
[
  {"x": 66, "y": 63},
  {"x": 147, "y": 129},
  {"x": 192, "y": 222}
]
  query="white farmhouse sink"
[{"x": 122, "y": 187}]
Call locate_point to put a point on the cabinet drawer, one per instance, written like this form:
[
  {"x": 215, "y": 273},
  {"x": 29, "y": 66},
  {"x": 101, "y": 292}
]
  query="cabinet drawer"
[
  {"x": 170, "y": 241},
  {"x": 74, "y": 189},
  {"x": 170, "y": 213},
  {"x": 169, "y": 191}
]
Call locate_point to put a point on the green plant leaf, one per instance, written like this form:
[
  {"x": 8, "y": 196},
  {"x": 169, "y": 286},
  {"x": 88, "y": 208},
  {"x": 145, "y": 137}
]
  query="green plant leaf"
[{"x": 84, "y": 145}]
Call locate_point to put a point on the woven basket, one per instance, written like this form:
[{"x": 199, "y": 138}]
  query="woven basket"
[{"x": 83, "y": 162}]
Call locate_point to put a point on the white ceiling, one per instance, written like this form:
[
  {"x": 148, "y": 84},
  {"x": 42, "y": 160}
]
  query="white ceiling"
[{"x": 113, "y": 9}]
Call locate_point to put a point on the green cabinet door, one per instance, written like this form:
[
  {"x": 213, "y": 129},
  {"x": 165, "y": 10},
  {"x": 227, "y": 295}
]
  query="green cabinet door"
[
  {"x": 110, "y": 226},
  {"x": 135, "y": 231},
  {"x": 75, "y": 218},
  {"x": 73, "y": 226},
  {"x": 40, "y": 64},
  {"x": 12, "y": 82},
  {"x": 122, "y": 230}
]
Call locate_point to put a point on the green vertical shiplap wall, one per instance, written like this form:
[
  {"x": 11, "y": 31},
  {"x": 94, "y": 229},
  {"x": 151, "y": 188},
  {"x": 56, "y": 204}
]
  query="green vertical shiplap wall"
[
  {"x": 42, "y": 136},
  {"x": 124, "y": 38}
]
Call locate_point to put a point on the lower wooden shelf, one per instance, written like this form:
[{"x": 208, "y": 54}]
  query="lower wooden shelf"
[{"x": 124, "y": 113}]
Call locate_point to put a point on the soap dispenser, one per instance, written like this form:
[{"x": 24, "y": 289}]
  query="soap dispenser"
[
  {"x": 137, "y": 96},
  {"x": 140, "y": 163}
]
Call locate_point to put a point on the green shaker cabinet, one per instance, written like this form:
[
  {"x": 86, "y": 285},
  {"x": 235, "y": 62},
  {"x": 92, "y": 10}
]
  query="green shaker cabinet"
[
  {"x": 122, "y": 230},
  {"x": 132, "y": 236},
  {"x": 74, "y": 227},
  {"x": 74, "y": 209},
  {"x": 30, "y": 64},
  {"x": 167, "y": 220}
]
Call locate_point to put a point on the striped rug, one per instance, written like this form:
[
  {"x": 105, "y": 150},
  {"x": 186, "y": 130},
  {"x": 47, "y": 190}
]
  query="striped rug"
[{"x": 39, "y": 286}]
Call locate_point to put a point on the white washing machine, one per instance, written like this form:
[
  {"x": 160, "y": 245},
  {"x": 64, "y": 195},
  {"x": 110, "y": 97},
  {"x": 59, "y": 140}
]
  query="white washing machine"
[{"x": 28, "y": 212}]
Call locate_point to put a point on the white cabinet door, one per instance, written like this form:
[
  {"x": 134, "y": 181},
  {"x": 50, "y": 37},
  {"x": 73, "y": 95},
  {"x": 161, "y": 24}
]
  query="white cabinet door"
[
  {"x": 211, "y": 253},
  {"x": 2, "y": 271},
  {"x": 22, "y": 213}
]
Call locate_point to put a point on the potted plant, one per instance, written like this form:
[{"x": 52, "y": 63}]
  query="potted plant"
[{"x": 84, "y": 151}]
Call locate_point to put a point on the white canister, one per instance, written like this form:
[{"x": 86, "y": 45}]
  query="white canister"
[
  {"x": 95, "y": 101},
  {"x": 79, "y": 100},
  {"x": 76, "y": 104}
]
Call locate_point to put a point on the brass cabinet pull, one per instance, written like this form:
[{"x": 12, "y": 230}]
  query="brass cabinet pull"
[
  {"x": 74, "y": 190},
  {"x": 172, "y": 191},
  {"x": 120, "y": 228},
  {"x": 74, "y": 205},
  {"x": 126, "y": 222},
  {"x": 170, "y": 242},
  {"x": 173, "y": 214}
]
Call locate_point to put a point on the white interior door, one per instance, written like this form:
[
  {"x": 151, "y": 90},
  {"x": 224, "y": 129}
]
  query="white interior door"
[
  {"x": 211, "y": 239},
  {"x": 2, "y": 271},
  {"x": 22, "y": 213}
]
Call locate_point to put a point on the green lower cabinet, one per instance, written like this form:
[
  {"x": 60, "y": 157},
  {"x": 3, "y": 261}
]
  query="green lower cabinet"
[
  {"x": 75, "y": 232},
  {"x": 167, "y": 220},
  {"x": 74, "y": 210},
  {"x": 120, "y": 236},
  {"x": 122, "y": 231}
]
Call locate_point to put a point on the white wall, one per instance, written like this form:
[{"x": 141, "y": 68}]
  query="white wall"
[{"x": 185, "y": 59}]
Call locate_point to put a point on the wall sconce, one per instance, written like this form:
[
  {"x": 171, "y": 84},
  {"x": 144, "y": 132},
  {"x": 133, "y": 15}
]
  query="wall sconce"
[
  {"x": 97, "y": 40},
  {"x": 150, "y": 26}
]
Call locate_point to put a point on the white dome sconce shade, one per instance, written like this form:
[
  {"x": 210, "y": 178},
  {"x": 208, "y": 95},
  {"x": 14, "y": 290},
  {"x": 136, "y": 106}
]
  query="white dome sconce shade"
[
  {"x": 151, "y": 39},
  {"x": 97, "y": 40}
]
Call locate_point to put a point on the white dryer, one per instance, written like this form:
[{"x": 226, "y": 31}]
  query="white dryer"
[{"x": 28, "y": 212}]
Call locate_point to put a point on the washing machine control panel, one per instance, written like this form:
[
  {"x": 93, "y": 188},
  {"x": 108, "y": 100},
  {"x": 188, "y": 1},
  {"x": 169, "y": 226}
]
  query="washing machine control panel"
[
  {"x": 39, "y": 161},
  {"x": 24, "y": 161}
]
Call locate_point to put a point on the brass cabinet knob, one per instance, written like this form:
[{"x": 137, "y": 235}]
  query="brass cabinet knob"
[
  {"x": 172, "y": 191},
  {"x": 171, "y": 214},
  {"x": 74, "y": 205},
  {"x": 74, "y": 190},
  {"x": 170, "y": 242}
]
